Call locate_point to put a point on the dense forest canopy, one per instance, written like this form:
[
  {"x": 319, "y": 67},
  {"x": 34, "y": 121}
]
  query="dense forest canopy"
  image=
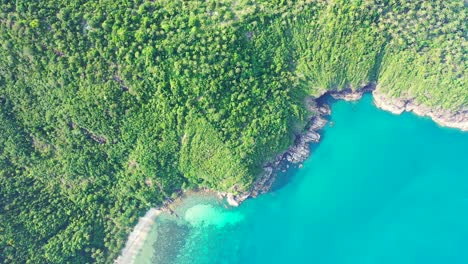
[{"x": 109, "y": 107}]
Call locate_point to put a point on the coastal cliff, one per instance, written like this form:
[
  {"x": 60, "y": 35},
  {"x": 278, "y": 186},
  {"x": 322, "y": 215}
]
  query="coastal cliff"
[
  {"x": 319, "y": 110},
  {"x": 297, "y": 153}
]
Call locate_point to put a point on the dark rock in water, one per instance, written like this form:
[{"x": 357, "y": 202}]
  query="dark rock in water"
[
  {"x": 300, "y": 151},
  {"x": 349, "y": 94},
  {"x": 315, "y": 108},
  {"x": 317, "y": 123},
  {"x": 324, "y": 110},
  {"x": 311, "y": 136}
]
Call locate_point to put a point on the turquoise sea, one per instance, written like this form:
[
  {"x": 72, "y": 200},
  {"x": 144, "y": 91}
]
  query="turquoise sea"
[{"x": 379, "y": 188}]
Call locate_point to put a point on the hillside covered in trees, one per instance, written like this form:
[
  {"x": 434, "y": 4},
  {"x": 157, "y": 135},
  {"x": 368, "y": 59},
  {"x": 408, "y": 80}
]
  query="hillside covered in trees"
[{"x": 109, "y": 107}]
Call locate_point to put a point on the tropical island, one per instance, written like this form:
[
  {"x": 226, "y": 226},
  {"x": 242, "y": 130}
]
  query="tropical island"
[{"x": 110, "y": 108}]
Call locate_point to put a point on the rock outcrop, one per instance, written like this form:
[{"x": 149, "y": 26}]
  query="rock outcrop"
[
  {"x": 455, "y": 119},
  {"x": 351, "y": 95},
  {"x": 296, "y": 154},
  {"x": 300, "y": 151}
]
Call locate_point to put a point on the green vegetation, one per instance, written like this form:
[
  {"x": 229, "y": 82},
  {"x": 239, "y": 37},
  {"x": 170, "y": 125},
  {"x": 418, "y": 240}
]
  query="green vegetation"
[
  {"x": 204, "y": 160},
  {"x": 109, "y": 107}
]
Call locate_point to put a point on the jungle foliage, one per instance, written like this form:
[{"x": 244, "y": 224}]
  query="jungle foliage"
[{"x": 109, "y": 107}]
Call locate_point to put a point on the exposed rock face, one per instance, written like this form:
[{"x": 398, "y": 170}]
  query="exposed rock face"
[
  {"x": 318, "y": 123},
  {"x": 352, "y": 95},
  {"x": 263, "y": 184},
  {"x": 231, "y": 200},
  {"x": 297, "y": 153},
  {"x": 315, "y": 108},
  {"x": 300, "y": 151},
  {"x": 458, "y": 119}
]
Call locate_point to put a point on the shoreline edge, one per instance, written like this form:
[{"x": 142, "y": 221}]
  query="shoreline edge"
[{"x": 300, "y": 151}]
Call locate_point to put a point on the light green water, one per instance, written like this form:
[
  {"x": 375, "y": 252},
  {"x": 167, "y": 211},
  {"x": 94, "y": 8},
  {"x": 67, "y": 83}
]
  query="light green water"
[{"x": 379, "y": 188}]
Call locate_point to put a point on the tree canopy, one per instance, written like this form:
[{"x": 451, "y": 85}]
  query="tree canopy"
[{"x": 109, "y": 107}]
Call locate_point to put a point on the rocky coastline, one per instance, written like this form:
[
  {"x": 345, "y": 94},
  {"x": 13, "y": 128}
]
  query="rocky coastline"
[
  {"x": 319, "y": 110},
  {"x": 299, "y": 152},
  {"x": 457, "y": 119},
  {"x": 296, "y": 154}
]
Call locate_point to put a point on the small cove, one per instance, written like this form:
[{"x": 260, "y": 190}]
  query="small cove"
[{"x": 378, "y": 188}]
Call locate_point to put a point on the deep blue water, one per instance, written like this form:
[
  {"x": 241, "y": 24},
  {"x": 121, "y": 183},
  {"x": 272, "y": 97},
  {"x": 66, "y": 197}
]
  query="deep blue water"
[{"x": 379, "y": 188}]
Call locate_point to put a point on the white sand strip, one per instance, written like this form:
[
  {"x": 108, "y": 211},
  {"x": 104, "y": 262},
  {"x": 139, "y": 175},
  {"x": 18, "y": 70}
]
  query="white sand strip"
[{"x": 137, "y": 237}]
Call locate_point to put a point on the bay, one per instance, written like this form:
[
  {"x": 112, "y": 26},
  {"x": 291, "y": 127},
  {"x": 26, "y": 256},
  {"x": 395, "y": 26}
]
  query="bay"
[{"x": 378, "y": 188}]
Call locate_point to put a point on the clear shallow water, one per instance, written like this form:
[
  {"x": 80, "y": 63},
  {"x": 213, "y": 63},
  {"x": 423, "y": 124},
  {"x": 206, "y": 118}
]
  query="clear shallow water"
[{"x": 379, "y": 188}]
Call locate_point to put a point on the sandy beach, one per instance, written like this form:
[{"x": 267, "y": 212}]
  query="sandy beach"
[
  {"x": 137, "y": 237},
  {"x": 396, "y": 106}
]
